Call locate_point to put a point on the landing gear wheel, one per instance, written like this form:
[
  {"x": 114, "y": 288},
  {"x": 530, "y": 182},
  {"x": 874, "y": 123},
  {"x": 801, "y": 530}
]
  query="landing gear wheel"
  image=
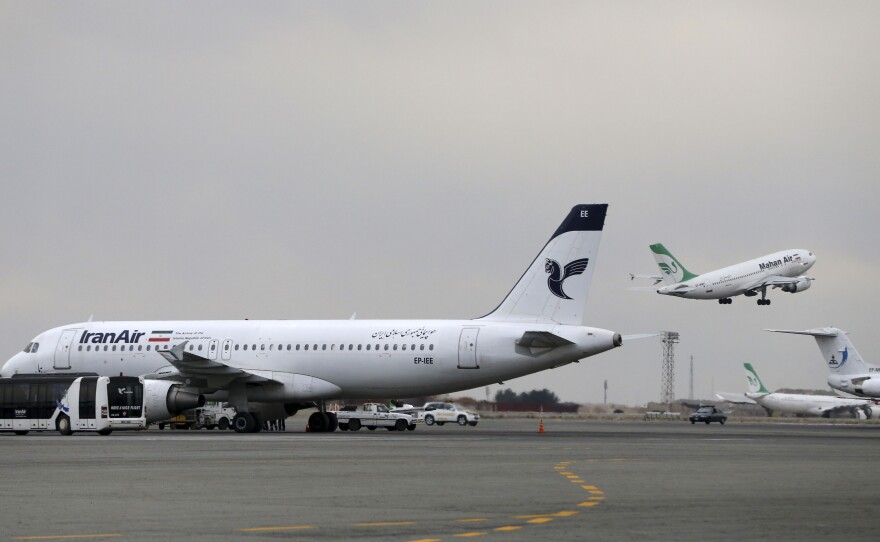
[
  {"x": 429, "y": 420},
  {"x": 334, "y": 421},
  {"x": 354, "y": 424},
  {"x": 462, "y": 420},
  {"x": 319, "y": 422},
  {"x": 244, "y": 422},
  {"x": 63, "y": 425},
  {"x": 400, "y": 425}
]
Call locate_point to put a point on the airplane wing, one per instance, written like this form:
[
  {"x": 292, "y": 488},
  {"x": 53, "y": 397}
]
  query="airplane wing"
[
  {"x": 736, "y": 398},
  {"x": 191, "y": 365},
  {"x": 774, "y": 281}
]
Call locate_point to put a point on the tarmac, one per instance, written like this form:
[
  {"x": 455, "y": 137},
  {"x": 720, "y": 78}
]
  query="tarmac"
[{"x": 500, "y": 481}]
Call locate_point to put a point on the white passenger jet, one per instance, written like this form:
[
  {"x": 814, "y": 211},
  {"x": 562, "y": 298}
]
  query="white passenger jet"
[
  {"x": 778, "y": 270},
  {"x": 795, "y": 403},
  {"x": 269, "y": 369},
  {"x": 849, "y": 372}
]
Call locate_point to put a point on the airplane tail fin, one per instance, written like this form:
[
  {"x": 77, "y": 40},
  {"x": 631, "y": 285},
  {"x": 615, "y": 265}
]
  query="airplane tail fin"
[
  {"x": 672, "y": 269},
  {"x": 839, "y": 353},
  {"x": 755, "y": 384},
  {"x": 555, "y": 286}
]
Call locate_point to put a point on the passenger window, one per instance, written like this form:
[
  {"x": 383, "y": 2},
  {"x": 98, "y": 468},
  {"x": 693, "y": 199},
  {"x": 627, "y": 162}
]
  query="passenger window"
[
  {"x": 253, "y": 347},
  {"x": 148, "y": 348},
  {"x": 413, "y": 347},
  {"x": 350, "y": 347},
  {"x": 314, "y": 347},
  {"x": 386, "y": 347},
  {"x": 403, "y": 347},
  {"x": 200, "y": 348},
  {"x": 395, "y": 347},
  {"x": 140, "y": 347},
  {"x": 114, "y": 348},
  {"x": 89, "y": 348},
  {"x": 288, "y": 347},
  {"x": 271, "y": 346},
  {"x": 359, "y": 347},
  {"x": 430, "y": 347},
  {"x": 236, "y": 347},
  {"x": 244, "y": 347},
  {"x": 80, "y": 348},
  {"x": 422, "y": 347},
  {"x": 368, "y": 346},
  {"x": 307, "y": 347},
  {"x": 323, "y": 347},
  {"x": 191, "y": 347},
  {"x": 297, "y": 348},
  {"x": 105, "y": 348}
]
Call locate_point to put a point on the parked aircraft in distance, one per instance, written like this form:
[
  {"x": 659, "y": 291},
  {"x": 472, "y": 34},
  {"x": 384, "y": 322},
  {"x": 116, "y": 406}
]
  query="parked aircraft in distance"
[
  {"x": 269, "y": 369},
  {"x": 796, "y": 403},
  {"x": 782, "y": 269},
  {"x": 849, "y": 372}
]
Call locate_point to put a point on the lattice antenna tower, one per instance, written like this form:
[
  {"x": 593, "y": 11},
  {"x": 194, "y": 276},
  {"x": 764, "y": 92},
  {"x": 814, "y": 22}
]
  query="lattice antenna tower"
[{"x": 667, "y": 378}]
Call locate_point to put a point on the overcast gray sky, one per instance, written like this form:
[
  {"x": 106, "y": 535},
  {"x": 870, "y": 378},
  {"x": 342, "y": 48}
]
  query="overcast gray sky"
[{"x": 221, "y": 160}]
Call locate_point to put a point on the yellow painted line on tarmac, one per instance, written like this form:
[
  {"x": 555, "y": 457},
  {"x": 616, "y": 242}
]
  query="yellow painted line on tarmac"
[
  {"x": 278, "y": 528},
  {"x": 588, "y": 503},
  {"x": 385, "y": 524},
  {"x": 471, "y": 534},
  {"x": 597, "y": 498},
  {"x": 471, "y": 520},
  {"x": 508, "y": 528},
  {"x": 427, "y": 540},
  {"x": 540, "y": 520},
  {"x": 67, "y": 536}
]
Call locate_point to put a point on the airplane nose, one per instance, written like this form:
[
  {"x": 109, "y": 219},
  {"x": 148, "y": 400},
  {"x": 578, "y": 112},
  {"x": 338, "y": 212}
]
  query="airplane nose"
[{"x": 12, "y": 366}]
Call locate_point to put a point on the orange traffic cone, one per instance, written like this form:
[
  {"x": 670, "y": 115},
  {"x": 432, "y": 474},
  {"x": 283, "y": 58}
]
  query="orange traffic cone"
[{"x": 541, "y": 425}]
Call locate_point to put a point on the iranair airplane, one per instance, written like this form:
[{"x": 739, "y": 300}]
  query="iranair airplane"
[
  {"x": 798, "y": 404},
  {"x": 269, "y": 369},
  {"x": 849, "y": 372},
  {"x": 783, "y": 270}
]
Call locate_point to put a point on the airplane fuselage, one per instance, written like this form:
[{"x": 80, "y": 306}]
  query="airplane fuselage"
[
  {"x": 315, "y": 360},
  {"x": 741, "y": 278},
  {"x": 805, "y": 405}
]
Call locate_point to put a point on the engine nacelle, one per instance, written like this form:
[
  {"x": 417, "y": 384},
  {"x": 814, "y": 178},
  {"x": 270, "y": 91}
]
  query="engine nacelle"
[
  {"x": 801, "y": 284},
  {"x": 870, "y": 387},
  {"x": 164, "y": 399}
]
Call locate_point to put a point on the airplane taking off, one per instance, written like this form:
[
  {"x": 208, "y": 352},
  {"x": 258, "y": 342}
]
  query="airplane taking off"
[
  {"x": 795, "y": 403},
  {"x": 849, "y": 372},
  {"x": 778, "y": 270},
  {"x": 270, "y": 369}
]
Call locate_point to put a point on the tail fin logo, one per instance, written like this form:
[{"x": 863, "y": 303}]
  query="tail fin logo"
[
  {"x": 833, "y": 361},
  {"x": 669, "y": 268},
  {"x": 558, "y": 275}
]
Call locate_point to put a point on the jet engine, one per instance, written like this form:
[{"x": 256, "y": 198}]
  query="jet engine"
[
  {"x": 801, "y": 284},
  {"x": 869, "y": 387},
  {"x": 164, "y": 399}
]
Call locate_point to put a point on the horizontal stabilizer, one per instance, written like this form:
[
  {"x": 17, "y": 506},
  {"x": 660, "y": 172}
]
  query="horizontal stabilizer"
[
  {"x": 736, "y": 398},
  {"x": 637, "y": 336},
  {"x": 542, "y": 339},
  {"x": 826, "y": 332}
]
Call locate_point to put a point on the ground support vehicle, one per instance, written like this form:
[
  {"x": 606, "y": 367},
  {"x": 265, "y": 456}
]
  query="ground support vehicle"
[
  {"x": 708, "y": 414},
  {"x": 441, "y": 413},
  {"x": 371, "y": 416},
  {"x": 68, "y": 403}
]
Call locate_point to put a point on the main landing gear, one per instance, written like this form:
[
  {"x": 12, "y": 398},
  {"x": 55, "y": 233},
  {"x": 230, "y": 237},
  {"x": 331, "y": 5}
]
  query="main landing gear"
[
  {"x": 323, "y": 422},
  {"x": 725, "y": 301},
  {"x": 763, "y": 302},
  {"x": 247, "y": 422}
]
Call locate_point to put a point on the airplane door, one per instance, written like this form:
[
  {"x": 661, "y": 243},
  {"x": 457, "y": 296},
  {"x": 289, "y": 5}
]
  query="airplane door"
[
  {"x": 226, "y": 353},
  {"x": 212, "y": 349},
  {"x": 467, "y": 348},
  {"x": 62, "y": 351}
]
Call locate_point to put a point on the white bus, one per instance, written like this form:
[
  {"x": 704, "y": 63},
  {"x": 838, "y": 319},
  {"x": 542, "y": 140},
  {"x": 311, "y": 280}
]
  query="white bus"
[{"x": 68, "y": 403}]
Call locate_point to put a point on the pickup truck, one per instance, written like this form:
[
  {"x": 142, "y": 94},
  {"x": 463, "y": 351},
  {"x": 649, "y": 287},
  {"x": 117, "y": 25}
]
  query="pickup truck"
[
  {"x": 439, "y": 412},
  {"x": 371, "y": 416}
]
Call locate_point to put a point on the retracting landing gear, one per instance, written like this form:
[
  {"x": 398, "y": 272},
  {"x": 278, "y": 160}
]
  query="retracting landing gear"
[
  {"x": 725, "y": 301},
  {"x": 763, "y": 300}
]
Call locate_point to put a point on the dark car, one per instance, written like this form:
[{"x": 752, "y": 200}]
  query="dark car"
[{"x": 708, "y": 414}]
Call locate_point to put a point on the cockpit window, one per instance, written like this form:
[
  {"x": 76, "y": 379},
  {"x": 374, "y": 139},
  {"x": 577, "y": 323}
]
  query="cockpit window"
[{"x": 31, "y": 348}]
